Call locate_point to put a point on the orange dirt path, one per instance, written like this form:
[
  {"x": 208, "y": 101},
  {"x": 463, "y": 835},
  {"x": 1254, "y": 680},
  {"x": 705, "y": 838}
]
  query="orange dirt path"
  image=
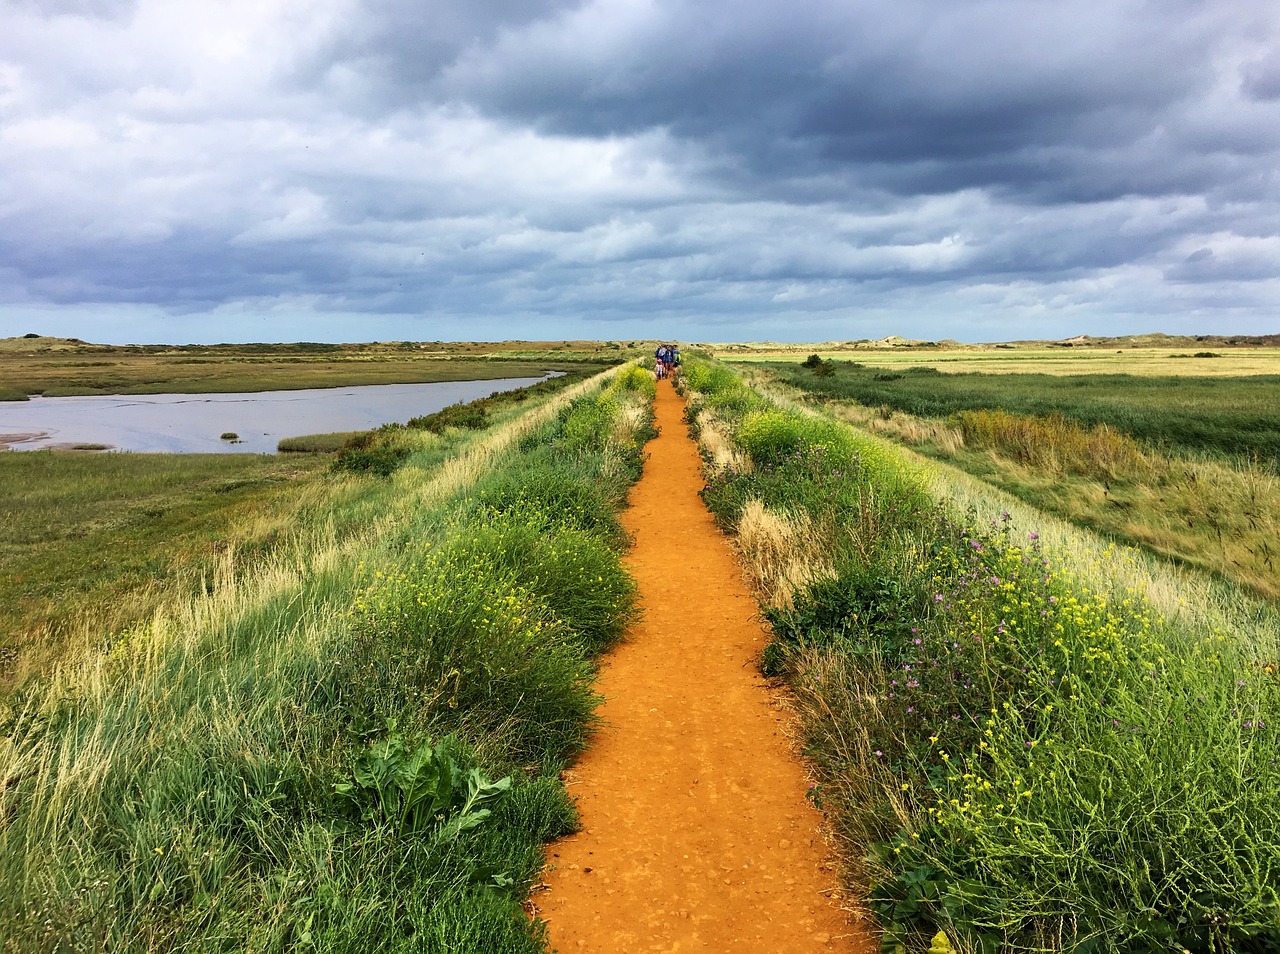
[{"x": 696, "y": 833}]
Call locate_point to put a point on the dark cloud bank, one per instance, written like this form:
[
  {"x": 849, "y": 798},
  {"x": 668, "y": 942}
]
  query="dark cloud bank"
[{"x": 932, "y": 168}]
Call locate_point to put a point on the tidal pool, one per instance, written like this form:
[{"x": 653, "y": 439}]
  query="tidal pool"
[{"x": 194, "y": 423}]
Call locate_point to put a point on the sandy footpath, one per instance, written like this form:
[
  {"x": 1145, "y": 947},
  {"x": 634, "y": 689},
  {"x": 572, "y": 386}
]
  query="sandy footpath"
[{"x": 697, "y": 836}]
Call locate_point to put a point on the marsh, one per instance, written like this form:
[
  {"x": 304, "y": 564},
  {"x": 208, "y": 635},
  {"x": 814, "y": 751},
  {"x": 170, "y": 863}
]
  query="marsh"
[{"x": 194, "y": 423}]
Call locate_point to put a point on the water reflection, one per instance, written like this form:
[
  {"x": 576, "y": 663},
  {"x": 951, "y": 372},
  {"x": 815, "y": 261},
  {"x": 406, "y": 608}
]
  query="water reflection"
[{"x": 194, "y": 423}]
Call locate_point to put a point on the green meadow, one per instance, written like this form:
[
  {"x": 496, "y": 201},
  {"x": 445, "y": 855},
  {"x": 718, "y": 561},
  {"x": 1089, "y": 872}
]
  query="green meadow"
[
  {"x": 1227, "y": 414},
  {"x": 1026, "y": 737},
  {"x": 107, "y": 537},
  {"x": 57, "y": 367},
  {"x": 1184, "y": 467}
]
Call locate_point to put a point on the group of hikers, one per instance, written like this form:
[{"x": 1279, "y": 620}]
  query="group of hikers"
[{"x": 667, "y": 363}]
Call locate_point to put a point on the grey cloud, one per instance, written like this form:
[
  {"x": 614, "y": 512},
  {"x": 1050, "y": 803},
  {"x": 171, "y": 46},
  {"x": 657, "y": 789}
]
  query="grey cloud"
[
  {"x": 1251, "y": 263},
  {"x": 973, "y": 93},
  {"x": 628, "y": 161},
  {"x": 399, "y": 48},
  {"x": 1260, "y": 79},
  {"x": 117, "y": 10}
]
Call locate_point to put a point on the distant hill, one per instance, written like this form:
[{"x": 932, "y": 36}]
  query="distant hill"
[
  {"x": 1158, "y": 340},
  {"x": 32, "y": 343},
  {"x": 38, "y": 344}
]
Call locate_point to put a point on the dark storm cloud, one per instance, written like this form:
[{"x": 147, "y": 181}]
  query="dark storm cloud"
[
  {"x": 621, "y": 160},
  {"x": 398, "y": 48},
  {"x": 923, "y": 95}
]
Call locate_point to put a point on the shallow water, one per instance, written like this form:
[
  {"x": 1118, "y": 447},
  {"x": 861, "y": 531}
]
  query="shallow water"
[{"x": 193, "y": 423}]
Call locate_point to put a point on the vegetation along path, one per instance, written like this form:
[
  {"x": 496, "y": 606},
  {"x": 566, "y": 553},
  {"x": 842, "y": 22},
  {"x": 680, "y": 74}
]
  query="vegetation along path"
[{"x": 696, "y": 835}]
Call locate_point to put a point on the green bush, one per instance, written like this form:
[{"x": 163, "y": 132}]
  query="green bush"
[
  {"x": 1073, "y": 763},
  {"x": 317, "y": 443},
  {"x": 769, "y": 437},
  {"x": 413, "y": 788},
  {"x": 365, "y": 455},
  {"x": 710, "y": 378},
  {"x": 720, "y": 389},
  {"x": 559, "y": 492},
  {"x": 575, "y": 571},
  {"x": 468, "y": 416},
  {"x": 457, "y": 643},
  {"x": 637, "y": 380},
  {"x": 583, "y": 426}
]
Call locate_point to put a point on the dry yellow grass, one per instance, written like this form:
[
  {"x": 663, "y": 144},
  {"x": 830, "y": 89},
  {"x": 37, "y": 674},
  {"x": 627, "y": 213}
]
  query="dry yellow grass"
[
  {"x": 902, "y": 427},
  {"x": 1058, "y": 361},
  {"x": 718, "y": 447},
  {"x": 1054, "y": 443},
  {"x": 780, "y": 552}
]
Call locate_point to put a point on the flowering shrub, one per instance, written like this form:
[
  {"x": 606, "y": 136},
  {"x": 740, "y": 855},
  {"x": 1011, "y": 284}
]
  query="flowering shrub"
[
  {"x": 1068, "y": 756},
  {"x": 636, "y": 379}
]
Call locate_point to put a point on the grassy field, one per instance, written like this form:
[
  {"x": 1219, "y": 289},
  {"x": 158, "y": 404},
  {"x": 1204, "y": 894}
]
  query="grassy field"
[
  {"x": 58, "y": 367},
  {"x": 1027, "y": 738},
  {"x": 1231, "y": 415},
  {"x": 354, "y": 743},
  {"x": 1218, "y": 510},
  {"x": 90, "y": 544},
  {"x": 108, "y": 537},
  {"x": 1160, "y": 355},
  {"x": 1159, "y": 362}
]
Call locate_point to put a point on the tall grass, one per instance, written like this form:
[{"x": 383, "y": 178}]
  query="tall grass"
[
  {"x": 1054, "y": 443},
  {"x": 1216, "y": 415},
  {"x": 237, "y": 773},
  {"x": 1027, "y": 738},
  {"x": 91, "y": 544},
  {"x": 1219, "y": 515}
]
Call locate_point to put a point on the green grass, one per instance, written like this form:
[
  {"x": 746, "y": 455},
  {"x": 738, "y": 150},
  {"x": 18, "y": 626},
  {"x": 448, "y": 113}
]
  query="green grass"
[
  {"x": 316, "y": 443},
  {"x": 72, "y": 368},
  {"x": 1216, "y": 512},
  {"x": 1221, "y": 415},
  {"x": 227, "y": 776},
  {"x": 110, "y": 536},
  {"x": 1029, "y": 741}
]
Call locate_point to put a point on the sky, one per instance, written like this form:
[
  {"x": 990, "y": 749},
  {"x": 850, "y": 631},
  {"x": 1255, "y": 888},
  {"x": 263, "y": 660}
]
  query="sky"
[{"x": 359, "y": 170}]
